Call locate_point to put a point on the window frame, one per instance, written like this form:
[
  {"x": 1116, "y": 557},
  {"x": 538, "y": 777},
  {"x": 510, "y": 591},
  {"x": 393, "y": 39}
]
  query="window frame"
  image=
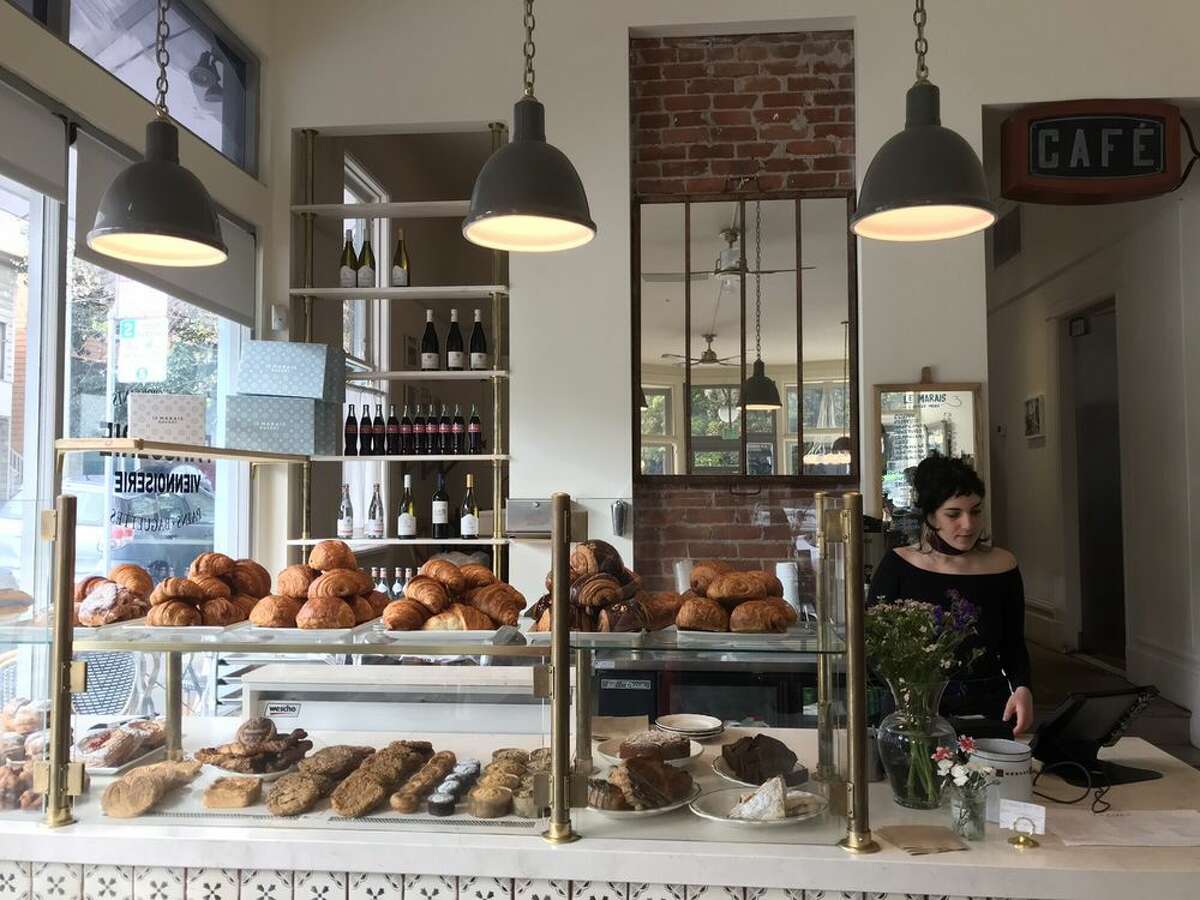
[{"x": 743, "y": 478}]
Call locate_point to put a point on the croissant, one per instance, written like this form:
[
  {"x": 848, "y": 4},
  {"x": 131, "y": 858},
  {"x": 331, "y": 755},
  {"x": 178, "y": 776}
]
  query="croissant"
[
  {"x": 573, "y": 575},
  {"x": 212, "y": 586},
  {"x": 275, "y": 612},
  {"x": 343, "y": 583},
  {"x": 767, "y": 585},
  {"x": 132, "y": 578},
  {"x": 447, "y": 573},
  {"x": 596, "y": 591},
  {"x": 590, "y": 557},
  {"x": 581, "y": 620},
  {"x": 332, "y": 555},
  {"x": 245, "y": 605},
  {"x": 363, "y": 610},
  {"x": 789, "y": 611},
  {"x": 294, "y": 581},
  {"x": 631, "y": 583},
  {"x": 378, "y": 601},
  {"x": 539, "y": 606},
  {"x": 758, "y": 617},
  {"x": 404, "y": 615},
  {"x": 477, "y": 575},
  {"x": 218, "y": 611},
  {"x": 430, "y": 593},
  {"x": 460, "y": 617},
  {"x": 325, "y": 612},
  {"x": 734, "y": 587},
  {"x": 500, "y": 601},
  {"x": 176, "y": 589},
  {"x": 211, "y": 564},
  {"x": 660, "y": 607},
  {"x": 173, "y": 613},
  {"x": 705, "y": 572},
  {"x": 702, "y": 614},
  {"x": 249, "y": 578}
]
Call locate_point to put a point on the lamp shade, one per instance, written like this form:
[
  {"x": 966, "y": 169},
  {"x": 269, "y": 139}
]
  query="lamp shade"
[
  {"x": 528, "y": 196},
  {"x": 759, "y": 391},
  {"x": 925, "y": 183},
  {"x": 156, "y": 212}
]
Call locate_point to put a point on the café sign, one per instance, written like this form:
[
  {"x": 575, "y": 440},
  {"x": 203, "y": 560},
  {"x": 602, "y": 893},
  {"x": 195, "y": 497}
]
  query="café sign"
[{"x": 1090, "y": 151}]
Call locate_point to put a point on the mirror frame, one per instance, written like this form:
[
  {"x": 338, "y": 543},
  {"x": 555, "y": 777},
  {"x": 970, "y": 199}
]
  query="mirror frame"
[{"x": 686, "y": 479}]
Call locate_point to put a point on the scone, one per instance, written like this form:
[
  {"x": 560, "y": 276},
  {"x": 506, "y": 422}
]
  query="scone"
[{"x": 232, "y": 793}]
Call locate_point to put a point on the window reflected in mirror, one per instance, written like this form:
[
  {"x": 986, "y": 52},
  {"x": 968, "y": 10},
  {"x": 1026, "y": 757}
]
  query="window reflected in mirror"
[{"x": 720, "y": 285}]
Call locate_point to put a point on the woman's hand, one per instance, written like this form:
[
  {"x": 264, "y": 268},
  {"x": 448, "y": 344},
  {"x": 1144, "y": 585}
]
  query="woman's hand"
[{"x": 1020, "y": 706}]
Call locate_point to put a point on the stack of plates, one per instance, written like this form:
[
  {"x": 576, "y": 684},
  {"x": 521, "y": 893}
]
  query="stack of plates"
[{"x": 691, "y": 725}]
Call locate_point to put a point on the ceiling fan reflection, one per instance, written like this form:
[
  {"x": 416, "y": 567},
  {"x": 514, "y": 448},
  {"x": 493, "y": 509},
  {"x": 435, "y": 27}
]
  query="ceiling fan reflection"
[{"x": 707, "y": 358}]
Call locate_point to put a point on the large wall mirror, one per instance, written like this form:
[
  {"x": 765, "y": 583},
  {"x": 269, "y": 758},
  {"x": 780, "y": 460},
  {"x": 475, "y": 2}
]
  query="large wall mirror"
[{"x": 719, "y": 284}]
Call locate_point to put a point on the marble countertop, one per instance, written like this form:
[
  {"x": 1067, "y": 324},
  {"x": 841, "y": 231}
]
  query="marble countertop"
[{"x": 678, "y": 847}]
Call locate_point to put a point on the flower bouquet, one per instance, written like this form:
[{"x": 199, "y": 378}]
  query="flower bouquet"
[
  {"x": 968, "y": 805},
  {"x": 915, "y": 647}
]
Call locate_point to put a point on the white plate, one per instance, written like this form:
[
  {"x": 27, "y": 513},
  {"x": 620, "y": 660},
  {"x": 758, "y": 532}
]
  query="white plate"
[
  {"x": 715, "y": 806},
  {"x": 610, "y": 752},
  {"x": 643, "y": 813},
  {"x": 261, "y": 776},
  {"x": 722, "y": 768},
  {"x": 690, "y": 723}
]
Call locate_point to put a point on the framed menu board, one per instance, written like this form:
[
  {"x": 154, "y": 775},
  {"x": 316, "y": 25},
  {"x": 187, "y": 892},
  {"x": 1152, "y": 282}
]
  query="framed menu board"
[{"x": 913, "y": 421}]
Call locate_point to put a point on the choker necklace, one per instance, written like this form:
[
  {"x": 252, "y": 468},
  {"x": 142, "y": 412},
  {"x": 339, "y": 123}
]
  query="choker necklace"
[{"x": 937, "y": 543}]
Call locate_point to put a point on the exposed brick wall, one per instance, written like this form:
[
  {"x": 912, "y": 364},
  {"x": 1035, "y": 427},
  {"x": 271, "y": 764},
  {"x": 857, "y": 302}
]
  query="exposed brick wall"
[{"x": 707, "y": 109}]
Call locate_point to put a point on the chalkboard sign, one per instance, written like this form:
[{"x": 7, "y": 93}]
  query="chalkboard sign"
[{"x": 913, "y": 421}]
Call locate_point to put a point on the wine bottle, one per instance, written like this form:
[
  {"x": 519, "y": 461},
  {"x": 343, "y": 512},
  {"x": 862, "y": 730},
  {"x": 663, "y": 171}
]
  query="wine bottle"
[
  {"x": 374, "y": 527},
  {"x": 351, "y": 432},
  {"x": 474, "y": 432},
  {"x": 379, "y": 432},
  {"x": 400, "y": 263},
  {"x": 348, "y": 273},
  {"x": 345, "y": 521},
  {"x": 366, "y": 263},
  {"x": 397, "y": 584},
  {"x": 440, "y": 512},
  {"x": 420, "y": 439},
  {"x": 407, "y": 444},
  {"x": 431, "y": 354},
  {"x": 454, "y": 345},
  {"x": 446, "y": 432},
  {"x": 458, "y": 432},
  {"x": 406, "y": 524},
  {"x": 392, "y": 445},
  {"x": 468, "y": 522},
  {"x": 366, "y": 433},
  {"x": 479, "y": 348}
]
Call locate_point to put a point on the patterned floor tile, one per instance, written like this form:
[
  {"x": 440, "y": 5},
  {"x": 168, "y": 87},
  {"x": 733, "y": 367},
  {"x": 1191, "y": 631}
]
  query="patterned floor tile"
[
  {"x": 108, "y": 883},
  {"x": 429, "y": 887},
  {"x": 15, "y": 882},
  {"x": 713, "y": 892},
  {"x": 320, "y": 886},
  {"x": 599, "y": 890},
  {"x": 833, "y": 895},
  {"x": 373, "y": 886},
  {"x": 266, "y": 884},
  {"x": 538, "y": 889},
  {"x": 213, "y": 884},
  {"x": 57, "y": 881},
  {"x": 774, "y": 894},
  {"x": 485, "y": 888},
  {"x": 642, "y": 891},
  {"x": 158, "y": 883}
]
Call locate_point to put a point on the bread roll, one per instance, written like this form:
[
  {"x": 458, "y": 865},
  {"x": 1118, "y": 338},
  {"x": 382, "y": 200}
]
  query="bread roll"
[
  {"x": 325, "y": 612},
  {"x": 273, "y": 611},
  {"x": 294, "y": 581},
  {"x": 404, "y": 615},
  {"x": 702, "y": 614},
  {"x": 705, "y": 572},
  {"x": 758, "y": 617},
  {"x": 133, "y": 578},
  {"x": 429, "y": 592},
  {"x": 332, "y": 555},
  {"x": 460, "y": 617}
]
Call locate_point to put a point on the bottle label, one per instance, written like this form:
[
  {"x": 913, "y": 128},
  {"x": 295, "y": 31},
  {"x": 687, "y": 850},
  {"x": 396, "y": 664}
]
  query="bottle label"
[
  {"x": 475, "y": 428},
  {"x": 431, "y": 361},
  {"x": 456, "y": 428},
  {"x": 347, "y": 277},
  {"x": 407, "y": 429},
  {"x": 374, "y": 528},
  {"x": 441, "y": 512},
  {"x": 480, "y": 361},
  {"x": 366, "y": 276},
  {"x": 469, "y": 526},
  {"x": 345, "y": 527},
  {"x": 406, "y": 527},
  {"x": 454, "y": 359},
  {"x": 399, "y": 277}
]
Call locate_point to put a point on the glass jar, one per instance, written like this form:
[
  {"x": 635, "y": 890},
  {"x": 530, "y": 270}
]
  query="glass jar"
[
  {"x": 968, "y": 813},
  {"x": 907, "y": 739}
]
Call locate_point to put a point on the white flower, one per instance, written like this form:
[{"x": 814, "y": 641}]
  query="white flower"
[
  {"x": 960, "y": 780},
  {"x": 944, "y": 766}
]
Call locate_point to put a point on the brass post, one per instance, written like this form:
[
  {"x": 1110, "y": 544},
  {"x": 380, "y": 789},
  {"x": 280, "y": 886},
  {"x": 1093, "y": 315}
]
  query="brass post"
[
  {"x": 583, "y": 712},
  {"x": 826, "y": 770},
  {"x": 560, "y": 831},
  {"x": 173, "y": 687},
  {"x": 498, "y": 131},
  {"x": 858, "y": 819},
  {"x": 58, "y": 806}
]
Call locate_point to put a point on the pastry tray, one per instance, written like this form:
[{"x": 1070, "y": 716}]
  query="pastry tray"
[
  {"x": 717, "y": 640},
  {"x": 593, "y": 638}
]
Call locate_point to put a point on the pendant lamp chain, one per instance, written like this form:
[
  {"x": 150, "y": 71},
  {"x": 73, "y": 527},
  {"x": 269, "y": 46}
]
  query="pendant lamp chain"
[
  {"x": 529, "y": 49},
  {"x": 164, "y": 58},
  {"x": 757, "y": 279},
  {"x": 920, "y": 44}
]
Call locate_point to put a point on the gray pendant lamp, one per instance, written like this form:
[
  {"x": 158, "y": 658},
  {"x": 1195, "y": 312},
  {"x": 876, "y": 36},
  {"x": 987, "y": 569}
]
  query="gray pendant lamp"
[
  {"x": 156, "y": 212},
  {"x": 925, "y": 183},
  {"x": 528, "y": 196},
  {"x": 759, "y": 391}
]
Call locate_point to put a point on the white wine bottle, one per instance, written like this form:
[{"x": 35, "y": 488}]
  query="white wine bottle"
[
  {"x": 406, "y": 524},
  {"x": 366, "y": 264},
  {"x": 348, "y": 273},
  {"x": 374, "y": 527},
  {"x": 468, "y": 521},
  {"x": 400, "y": 263},
  {"x": 345, "y": 519}
]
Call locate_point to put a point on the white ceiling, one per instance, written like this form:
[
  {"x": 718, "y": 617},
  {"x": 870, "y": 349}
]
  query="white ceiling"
[{"x": 716, "y": 308}]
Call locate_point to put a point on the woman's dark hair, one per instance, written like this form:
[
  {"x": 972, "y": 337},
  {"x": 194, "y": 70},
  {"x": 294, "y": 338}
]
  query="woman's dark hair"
[{"x": 939, "y": 478}]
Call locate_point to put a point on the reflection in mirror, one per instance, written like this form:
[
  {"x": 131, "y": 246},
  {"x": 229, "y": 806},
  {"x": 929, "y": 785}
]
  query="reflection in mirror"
[{"x": 663, "y": 325}]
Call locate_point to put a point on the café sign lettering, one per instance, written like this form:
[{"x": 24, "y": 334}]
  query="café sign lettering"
[{"x": 1090, "y": 151}]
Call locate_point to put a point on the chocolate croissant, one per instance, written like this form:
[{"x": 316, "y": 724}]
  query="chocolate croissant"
[
  {"x": 343, "y": 583},
  {"x": 404, "y": 615},
  {"x": 702, "y": 614},
  {"x": 596, "y": 591},
  {"x": 625, "y": 615},
  {"x": 539, "y": 606},
  {"x": 758, "y": 617},
  {"x": 274, "y": 611},
  {"x": 294, "y": 581},
  {"x": 705, "y": 572},
  {"x": 590, "y": 557},
  {"x": 332, "y": 555}
]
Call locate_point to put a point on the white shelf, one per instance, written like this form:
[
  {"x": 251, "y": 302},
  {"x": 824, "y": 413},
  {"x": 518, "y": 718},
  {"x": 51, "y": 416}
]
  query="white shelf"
[
  {"x": 433, "y": 292},
  {"x": 144, "y": 447},
  {"x": 440, "y": 375},
  {"x": 426, "y": 209},
  {"x": 433, "y": 457},
  {"x": 372, "y": 543}
]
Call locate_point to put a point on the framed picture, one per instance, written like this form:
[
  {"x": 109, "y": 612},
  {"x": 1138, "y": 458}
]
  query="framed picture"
[{"x": 1035, "y": 416}]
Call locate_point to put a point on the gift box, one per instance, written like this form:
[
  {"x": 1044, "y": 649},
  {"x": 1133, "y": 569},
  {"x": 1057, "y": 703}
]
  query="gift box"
[
  {"x": 290, "y": 369},
  {"x": 282, "y": 425},
  {"x": 174, "y": 418}
]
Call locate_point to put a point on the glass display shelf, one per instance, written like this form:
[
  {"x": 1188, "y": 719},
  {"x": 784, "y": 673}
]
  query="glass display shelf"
[
  {"x": 450, "y": 292},
  {"x": 805, "y": 640}
]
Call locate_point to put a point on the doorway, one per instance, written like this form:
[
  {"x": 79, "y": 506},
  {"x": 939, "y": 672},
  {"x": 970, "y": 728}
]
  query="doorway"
[{"x": 1092, "y": 343}]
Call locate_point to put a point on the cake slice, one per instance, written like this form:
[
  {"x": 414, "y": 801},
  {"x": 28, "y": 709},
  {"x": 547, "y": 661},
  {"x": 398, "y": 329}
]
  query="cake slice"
[{"x": 766, "y": 804}]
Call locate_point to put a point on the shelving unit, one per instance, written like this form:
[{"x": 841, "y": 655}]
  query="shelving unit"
[{"x": 309, "y": 292}]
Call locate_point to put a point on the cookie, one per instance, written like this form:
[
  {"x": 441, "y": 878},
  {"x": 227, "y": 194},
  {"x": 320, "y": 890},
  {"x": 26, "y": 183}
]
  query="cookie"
[
  {"x": 296, "y": 793},
  {"x": 357, "y": 795}
]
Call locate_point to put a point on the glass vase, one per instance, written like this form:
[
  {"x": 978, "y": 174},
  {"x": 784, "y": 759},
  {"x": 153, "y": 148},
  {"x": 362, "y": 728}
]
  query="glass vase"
[
  {"x": 907, "y": 739},
  {"x": 968, "y": 813}
]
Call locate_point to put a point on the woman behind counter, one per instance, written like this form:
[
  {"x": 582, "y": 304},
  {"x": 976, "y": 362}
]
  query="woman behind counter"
[{"x": 953, "y": 561}]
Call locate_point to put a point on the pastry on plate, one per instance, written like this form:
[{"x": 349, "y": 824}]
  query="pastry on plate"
[
  {"x": 274, "y": 611},
  {"x": 232, "y": 792},
  {"x": 429, "y": 592},
  {"x": 217, "y": 564},
  {"x": 294, "y": 581},
  {"x": 405, "y": 615},
  {"x": 705, "y": 572},
  {"x": 296, "y": 793},
  {"x": 133, "y": 578},
  {"x": 605, "y": 795},
  {"x": 460, "y": 617},
  {"x": 325, "y": 612},
  {"x": 447, "y": 573},
  {"x": 477, "y": 575},
  {"x": 648, "y": 783},
  {"x": 173, "y": 613},
  {"x": 248, "y": 577},
  {"x": 660, "y": 744},
  {"x": 335, "y": 762},
  {"x": 758, "y": 617},
  {"x": 332, "y": 555},
  {"x": 759, "y": 758},
  {"x": 590, "y": 557},
  {"x": 702, "y": 614}
]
